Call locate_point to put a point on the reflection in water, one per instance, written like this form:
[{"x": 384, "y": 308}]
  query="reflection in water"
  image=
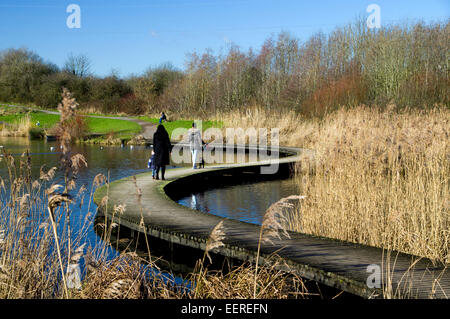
[
  {"x": 247, "y": 202},
  {"x": 193, "y": 202}
]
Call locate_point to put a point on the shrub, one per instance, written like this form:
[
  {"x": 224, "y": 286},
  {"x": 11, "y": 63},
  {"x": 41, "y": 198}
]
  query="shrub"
[
  {"x": 76, "y": 127},
  {"x": 36, "y": 133}
]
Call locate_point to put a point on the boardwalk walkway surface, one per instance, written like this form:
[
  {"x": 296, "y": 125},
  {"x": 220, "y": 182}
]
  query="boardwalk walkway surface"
[{"x": 338, "y": 264}]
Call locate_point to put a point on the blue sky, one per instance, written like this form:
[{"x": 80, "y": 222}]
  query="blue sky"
[{"x": 129, "y": 36}]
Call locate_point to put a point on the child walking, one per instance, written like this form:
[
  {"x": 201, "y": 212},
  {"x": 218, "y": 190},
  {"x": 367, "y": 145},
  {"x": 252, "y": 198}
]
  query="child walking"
[{"x": 151, "y": 164}]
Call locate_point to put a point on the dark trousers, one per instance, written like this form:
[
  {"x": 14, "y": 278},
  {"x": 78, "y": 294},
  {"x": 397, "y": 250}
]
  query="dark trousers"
[{"x": 163, "y": 171}]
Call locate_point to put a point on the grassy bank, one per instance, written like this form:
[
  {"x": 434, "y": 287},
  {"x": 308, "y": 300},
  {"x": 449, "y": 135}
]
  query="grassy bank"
[
  {"x": 23, "y": 122},
  {"x": 107, "y": 126},
  {"x": 20, "y": 121},
  {"x": 46, "y": 120}
]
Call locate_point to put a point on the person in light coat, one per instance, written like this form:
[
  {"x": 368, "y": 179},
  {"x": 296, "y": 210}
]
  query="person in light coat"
[{"x": 196, "y": 145}]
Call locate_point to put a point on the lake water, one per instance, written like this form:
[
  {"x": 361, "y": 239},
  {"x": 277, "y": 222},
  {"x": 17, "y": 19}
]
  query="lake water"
[{"x": 244, "y": 202}]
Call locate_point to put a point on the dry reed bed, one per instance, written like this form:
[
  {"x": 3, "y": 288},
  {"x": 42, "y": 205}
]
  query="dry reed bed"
[
  {"x": 258, "y": 117},
  {"x": 20, "y": 128},
  {"x": 379, "y": 178}
]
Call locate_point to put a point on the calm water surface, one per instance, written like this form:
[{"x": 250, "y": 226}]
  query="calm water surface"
[{"x": 244, "y": 202}]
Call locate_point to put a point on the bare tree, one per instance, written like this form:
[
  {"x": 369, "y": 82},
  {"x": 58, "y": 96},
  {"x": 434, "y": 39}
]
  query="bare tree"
[{"x": 78, "y": 65}]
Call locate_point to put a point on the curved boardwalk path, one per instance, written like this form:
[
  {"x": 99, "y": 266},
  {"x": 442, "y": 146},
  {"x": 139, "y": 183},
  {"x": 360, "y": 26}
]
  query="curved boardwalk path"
[{"x": 334, "y": 263}]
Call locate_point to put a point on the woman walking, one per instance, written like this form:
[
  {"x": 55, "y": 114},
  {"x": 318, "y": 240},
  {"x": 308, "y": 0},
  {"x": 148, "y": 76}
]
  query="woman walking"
[
  {"x": 196, "y": 145},
  {"x": 162, "y": 148}
]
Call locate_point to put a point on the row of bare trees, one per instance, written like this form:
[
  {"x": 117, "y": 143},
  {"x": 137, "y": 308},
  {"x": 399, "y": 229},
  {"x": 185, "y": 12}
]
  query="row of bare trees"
[{"x": 352, "y": 65}]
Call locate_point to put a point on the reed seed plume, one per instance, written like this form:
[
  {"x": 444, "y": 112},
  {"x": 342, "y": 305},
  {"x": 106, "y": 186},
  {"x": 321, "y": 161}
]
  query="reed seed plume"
[
  {"x": 271, "y": 226},
  {"x": 52, "y": 189},
  {"x": 99, "y": 180},
  {"x": 274, "y": 220},
  {"x": 65, "y": 130},
  {"x": 82, "y": 190},
  {"x": 67, "y": 106},
  {"x": 104, "y": 201},
  {"x": 56, "y": 200},
  {"x": 120, "y": 209},
  {"x": 215, "y": 239},
  {"x": 24, "y": 202},
  {"x": 71, "y": 184},
  {"x": 11, "y": 161},
  {"x": 49, "y": 175},
  {"x": 77, "y": 161},
  {"x": 35, "y": 184},
  {"x": 65, "y": 139}
]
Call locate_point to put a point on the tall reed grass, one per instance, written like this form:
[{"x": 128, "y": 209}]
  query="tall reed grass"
[
  {"x": 379, "y": 178},
  {"x": 258, "y": 117}
]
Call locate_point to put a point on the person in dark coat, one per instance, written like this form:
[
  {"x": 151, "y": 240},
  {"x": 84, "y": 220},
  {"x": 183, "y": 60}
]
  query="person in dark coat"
[{"x": 162, "y": 148}]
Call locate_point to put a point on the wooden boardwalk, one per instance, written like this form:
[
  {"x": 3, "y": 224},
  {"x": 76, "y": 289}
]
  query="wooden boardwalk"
[{"x": 334, "y": 263}]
